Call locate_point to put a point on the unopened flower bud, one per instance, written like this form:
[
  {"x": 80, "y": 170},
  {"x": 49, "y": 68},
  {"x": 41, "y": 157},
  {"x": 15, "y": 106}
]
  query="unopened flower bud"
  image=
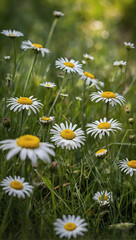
[
  {"x": 131, "y": 121},
  {"x": 6, "y": 122},
  {"x": 131, "y": 138}
]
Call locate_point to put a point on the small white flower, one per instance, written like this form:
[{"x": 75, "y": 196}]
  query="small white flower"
[
  {"x": 69, "y": 66},
  {"x": 78, "y": 98},
  {"x": 58, "y": 14},
  {"x": 112, "y": 98},
  {"x": 19, "y": 104},
  {"x": 70, "y": 226},
  {"x": 7, "y": 57},
  {"x": 12, "y": 34},
  {"x": 129, "y": 167},
  {"x": 48, "y": 84},
  {"x": 119, "y": 63},
  {"x": 35, "y": 46},
  {"x": 101, "y": 153},
  {"x": 88, "y": 57},
  {"x": 64, "y": 94},
  {"x": 67, "y": 137},
  {"x": 94, "y": 83},
  {"x": 103, "y": 197},
  {"x": 16, "y": 187},
  {"x": 103, "y": 127},
  {"x": 46, "y": 120},
  {"x": 129, "y": 45},
  {"x": 28, "y": 146}
]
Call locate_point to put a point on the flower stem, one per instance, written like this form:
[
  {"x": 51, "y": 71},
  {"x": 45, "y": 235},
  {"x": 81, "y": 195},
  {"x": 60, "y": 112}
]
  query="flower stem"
[
  {"x": 14, "y": 47},
  {"x": 51, "y": 32},
  {"x": 107, "y": 110}
]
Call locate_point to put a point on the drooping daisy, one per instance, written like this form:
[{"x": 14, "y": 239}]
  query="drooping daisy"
[
  {"x": 35, "y": 46},
  {"x": 129, "y": 167},
  {"x": 101, "y": 153},
  {"x": 16, "y": 187},
  {"x": 30, "y": 104},
  {"x": 46, "y": 120},
  {"x": 78, "y": 98},
  {"x": 88, "y": 57},
  {"x": 70, "y": 226},
  {"x": 87, "y": 75},
  {"x": 112, "y": 98},
  {"x": 119, "y": 63},
  {"x": 66, "y": 136},
  {"x": 12, "y": 34},
  {"x": 58, "y": 14},
  {"x": 103, "y": 197},
  {"x": 103, "y": 127},
  {"x": 129, "y": 45},
  {"x": 69, "y": 66},
  {"x": 48, "y": 84},
  {"x": 28, "y": 146},
  {"x": 94, "y": 83}
]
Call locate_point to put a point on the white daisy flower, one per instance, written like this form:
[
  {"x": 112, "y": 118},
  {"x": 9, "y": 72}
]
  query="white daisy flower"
[
  {"x": 129, "y": 45},
  {"x": 12, "y": 34},
  {"x": 112, "y": 98},
  {"x": 28, "y": 146},
  {"x": 70, "y": 226},
  {"x": 78, "y": 98},
  {"x": 119, "y": 63},
  {"x": 64, "y": 94},
  {"x": 16, "y": 187},
  {"x": 48, "y": 84},
  {"x": 103, "y": 197},
  {"x": 103, "y": 127},
  {"x": 88, "y": 57},
  {"x": 37, "y": 47},
  {"x": 94, "y": 83},
  {"x": 69, "y": 66},
  {"x": 67, "y": 137},
  {"x": 7, "y": 57},
  {"x": 87, "y": 76},
  {"x": 19, "y": 104},
  {"x": 46, "y": 120},
  {"x": 129, "y": 167},
  {"x": 101, "y": 153},
  {"x": 58, "y": 14}
]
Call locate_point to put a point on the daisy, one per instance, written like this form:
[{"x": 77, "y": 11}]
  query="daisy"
[
  {"x": 101, "y": 153},
  {"x": 129, "y": 167},
  {"x": 94, "y": 83},
  {"x": 12, "y": 34},
  {"x": 70, "y": 226},
  {"x": 16, "y": 187},
  {"x": 78, "y": 98},
  {"x": 37, "y": 47},
  {"x": 69, "y": 66},
  {"x": 48, "y": 84},
  {"x": 58, "y": 14},
  {"x": 30, "y": 104},
  {"x": 67, "y": 137},
  {"x": 64, "y": 94},
  {"x": 119, "y": 63},
  {"x": 103, "y": 197},
  {"x": 129, "y": 45},
  {"x": 46, "y": 120},
  {"x": 88, "y": 57},
  {"x": 87, "y": 75},
  {"x": 112, "y": 98},
  {"x": 103, "y": 127},
  {"x": 28, "y": 146},
  {"x": 7, "y": 58}
]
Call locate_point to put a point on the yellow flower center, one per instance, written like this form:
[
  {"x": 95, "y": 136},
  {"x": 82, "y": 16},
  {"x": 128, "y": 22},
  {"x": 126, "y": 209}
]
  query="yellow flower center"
[
  {"x": 70, "y": 226},
  {"x": 132, "y": 164},
  {"x": 45, "y": 119},
  {"x": 67, "y": 134},
  {"x": 37, "y": 45},
  {"x": 103, "y": 198},
  {"x": 25, "y": 100},
  {"x": 108, "y": 95},
  {"x": 11, "y": 35},
  {"x": 48, "y": 85},
  {"x": 101, "y": 151},
  {"x": 28, "y": 141},
  {"x": 69, "y": 64},
  {"x": 104, "y": 125},
  {"x": 16, "y": 185},
  {"x": 87, "y": 74}
]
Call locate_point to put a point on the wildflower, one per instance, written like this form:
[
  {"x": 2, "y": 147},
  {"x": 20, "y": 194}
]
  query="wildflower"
[
  {"x": 28, "y": 146},
  {"x": 78, "y": 98},
  {"x": 129, "y": 45},
  {"x": 12, "y": 34},
  {"x": 35, "y": 46},
  {"x": 87, "y": 75},
  {"x": 119, "y": 63},
  {"x": 66, "y": 136},
  {"x": 58, "y": 14},
  {"x": 16, "y": 187},
  {"x": 103, "y": 127},
  {"x": 48, "y": 84},
  {"x": 129, "y": 167},
  {"x": 6, "y": 123},
  {"x": 30, "y": 104},
  {"x": 111, "y": 97},
  {"x": 64, "y": 94},
  {"x": 131, "y": 121},
  {"x": 7, "y": 58},
  {"x": 90, "y": 79},
  {"x": 46, "y": 120},
  {"x": 103, "y": 197},
  {"x": 122, "y": 226},
  {"x": 101, "y": 153},
  {"x": 69, "y": 66},
  {"x": 70, "y": 226},
  {"x": 88, "y": 57}
]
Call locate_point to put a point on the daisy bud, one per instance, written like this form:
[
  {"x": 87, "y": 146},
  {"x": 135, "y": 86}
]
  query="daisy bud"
[
  {"x": 131, "y": 121},
  {"x": 131, "y": 138},
  {"x": 127, "y": 109},
  {"x": 58, "y": 14},
  {"x": 9, "y": 78},
  {"x": 6, "y": 122}
]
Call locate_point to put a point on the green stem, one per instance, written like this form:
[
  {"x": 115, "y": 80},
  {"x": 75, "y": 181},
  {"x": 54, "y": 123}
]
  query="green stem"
[
  {"x": 14, "y": 47},
  {"x": 83, "y": 106},
  {"x": 30, "y": 72},
  {"x": 51, "y": 32},
  {"x": 53, "y": 198},
  {"x": 107, "y": 110},
  {"x": 21, "y": 121}
]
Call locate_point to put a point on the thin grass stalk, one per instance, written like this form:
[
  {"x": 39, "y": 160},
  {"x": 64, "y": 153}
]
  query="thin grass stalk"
[
  {"x": 51, "y": 32},
  {"x": 14, "y": 48}
]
